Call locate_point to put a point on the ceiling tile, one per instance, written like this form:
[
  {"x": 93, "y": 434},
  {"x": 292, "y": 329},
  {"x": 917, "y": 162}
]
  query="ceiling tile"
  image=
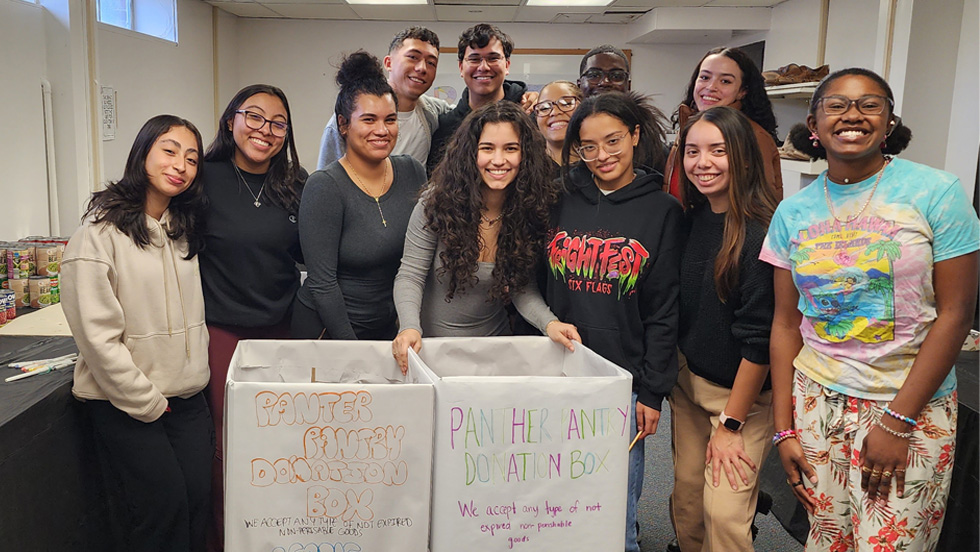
[
  {"x": 475, "y": 14},
  {"x": 477, "y": 2},
  {"x": 245, "y": 9},
  {"x": 395, "y": 13},
  {"x": 314, "y": 11},
  {"x": 320, "y": 2},
  {"x": 542, "y": 15}
]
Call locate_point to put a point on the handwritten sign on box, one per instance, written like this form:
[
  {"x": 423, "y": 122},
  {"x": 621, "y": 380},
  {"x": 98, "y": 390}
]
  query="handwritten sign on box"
[
  {"x": 342, "y": 464},
  {"x": 530, "y": 446}
]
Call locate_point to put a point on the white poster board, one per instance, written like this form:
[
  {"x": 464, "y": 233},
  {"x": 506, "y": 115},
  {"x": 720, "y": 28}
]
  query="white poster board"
[
  {"x": 340, "y": 465},
  {"x": 530, "y": 445}
]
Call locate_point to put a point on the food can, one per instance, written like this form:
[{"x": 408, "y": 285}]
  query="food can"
[
  {"x": 55, "y": 291},
  {"x": 40, "y": 290},
  {"x": 3, "y": 260},
  {"x": 22, "y": 292},
  {"x": 47, "y": 258},
  {"x": 7, "y": 305},
  {"x": 20, "y": 262}
]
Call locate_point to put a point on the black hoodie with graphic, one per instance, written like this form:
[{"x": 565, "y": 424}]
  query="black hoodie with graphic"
[{"x": 613, "y": 271}]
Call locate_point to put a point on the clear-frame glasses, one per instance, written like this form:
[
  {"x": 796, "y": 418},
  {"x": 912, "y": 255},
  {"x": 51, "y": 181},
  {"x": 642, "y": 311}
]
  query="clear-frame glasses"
[
  {"x": 612, "y": 146},
  {"x": 615, "y": 76},
  {"x": 491, "y": 59},
  {"x": 255, "y": 121},
  {"x": 869, "y": 104},
  {"x": 547, "y": 107}
]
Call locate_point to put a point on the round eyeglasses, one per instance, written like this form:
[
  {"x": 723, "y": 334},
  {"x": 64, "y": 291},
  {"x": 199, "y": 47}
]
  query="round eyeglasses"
[
  {"x": 612, "y": 146},
  {"x": 547, "y": 107},
  {"x": 870, "y": 104},
  {"x": 615, "y": 76},
  {"x": 255, "y": 121}
]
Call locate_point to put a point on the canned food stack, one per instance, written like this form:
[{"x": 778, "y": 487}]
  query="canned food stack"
[{"x": 29, "y": 274}]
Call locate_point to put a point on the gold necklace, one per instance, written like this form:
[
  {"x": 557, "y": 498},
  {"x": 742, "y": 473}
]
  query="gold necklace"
[
  {"x": 377, "y": 198},
  {"x": 830, "y": 204},
  {"x": 490, "y": 221}
]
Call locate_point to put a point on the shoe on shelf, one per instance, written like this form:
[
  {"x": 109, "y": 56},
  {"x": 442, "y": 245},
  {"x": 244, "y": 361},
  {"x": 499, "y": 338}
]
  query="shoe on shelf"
[
  {"x": 786, "y": 151},
  {"x": 795, "y": 74}
]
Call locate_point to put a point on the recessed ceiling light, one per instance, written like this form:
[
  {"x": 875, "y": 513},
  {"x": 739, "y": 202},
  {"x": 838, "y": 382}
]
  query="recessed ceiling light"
[
  {"x": 567, "y": 3},
  {"x": 389, "y": 2}
]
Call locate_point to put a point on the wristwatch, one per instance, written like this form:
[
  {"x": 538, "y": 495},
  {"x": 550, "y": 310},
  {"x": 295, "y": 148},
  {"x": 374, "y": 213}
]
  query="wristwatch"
[{"x": 731, "y": 424}]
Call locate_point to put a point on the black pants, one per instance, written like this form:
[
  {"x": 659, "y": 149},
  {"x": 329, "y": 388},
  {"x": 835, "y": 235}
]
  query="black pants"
[
  {"x": 161, "y": 471},
  {"x": 306, "y": 324}
]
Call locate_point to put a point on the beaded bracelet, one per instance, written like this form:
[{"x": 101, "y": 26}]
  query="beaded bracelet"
[
  {"x": 781, "y": 436},
  {"x": 899, "y": 417},
  {"x": 906, "y": 435}
]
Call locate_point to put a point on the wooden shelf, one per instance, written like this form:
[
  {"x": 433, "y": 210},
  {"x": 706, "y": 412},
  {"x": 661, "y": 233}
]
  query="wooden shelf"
[
  {"x": 801, "y": 91},
  {"x": 811, "y": 168}
]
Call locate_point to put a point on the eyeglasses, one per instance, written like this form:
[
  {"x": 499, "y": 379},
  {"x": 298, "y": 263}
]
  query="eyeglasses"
[
  {"x": 476, "y": 60},
  {"x": 612, "y": 146},
  {"x": 870, "y": 104},
  {"x": 564, "y": 104},
  {"x": 255, "y": 121},
  {"x": 616, "y": 76}
]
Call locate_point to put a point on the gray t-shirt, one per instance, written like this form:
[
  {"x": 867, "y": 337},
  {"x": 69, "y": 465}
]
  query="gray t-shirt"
[
  {"x": 415, "y": 130},
  {"x": 351, "y": 256},
  {"x": 420, "y": 294}
]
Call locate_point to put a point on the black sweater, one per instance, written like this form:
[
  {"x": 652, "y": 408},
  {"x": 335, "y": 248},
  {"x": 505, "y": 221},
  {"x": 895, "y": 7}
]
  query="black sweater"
[
  {"x": 716, "y": 336},
  {"x": 248, "y": 264},
  {"x": 612, "y": 264},
  {"x": 450, "y": 121}
]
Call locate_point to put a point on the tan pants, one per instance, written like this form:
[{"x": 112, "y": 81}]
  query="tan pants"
[{"x": 708, "y": 518}]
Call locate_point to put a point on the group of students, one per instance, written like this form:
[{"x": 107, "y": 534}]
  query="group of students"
[{"x": 825, "y": 328}]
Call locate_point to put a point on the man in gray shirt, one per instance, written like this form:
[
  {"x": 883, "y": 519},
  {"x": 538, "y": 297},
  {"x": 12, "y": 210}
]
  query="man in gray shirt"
[{"x": 411, "y": 63}]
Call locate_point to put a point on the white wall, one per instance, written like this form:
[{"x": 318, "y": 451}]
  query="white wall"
[
  {"x": 153, "y": 76},
  {"x": 23, "y": 180},
  {"x": 964, "y": 130}
]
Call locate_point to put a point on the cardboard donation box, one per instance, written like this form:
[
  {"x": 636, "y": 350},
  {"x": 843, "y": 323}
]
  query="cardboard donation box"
[
  {"x": 530, "y": 445},
  {"x": 341, "y": 464}
]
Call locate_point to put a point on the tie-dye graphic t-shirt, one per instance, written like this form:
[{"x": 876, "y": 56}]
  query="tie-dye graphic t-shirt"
[{"x": 865, "y": 287}]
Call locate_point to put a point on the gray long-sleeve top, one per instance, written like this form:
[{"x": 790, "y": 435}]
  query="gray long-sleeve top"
[
  {"x": 351, "y": 257},
  {"x": 420, "y": 294}
]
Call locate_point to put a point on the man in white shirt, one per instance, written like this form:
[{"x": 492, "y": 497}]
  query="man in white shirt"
[{"x": 411, "y": 63}]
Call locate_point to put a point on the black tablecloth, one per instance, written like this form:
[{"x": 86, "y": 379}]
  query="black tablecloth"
[
  {"x": 962, "y": 523},
  {"x": 51, "y": 495}
]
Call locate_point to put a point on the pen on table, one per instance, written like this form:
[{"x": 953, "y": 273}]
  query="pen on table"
[
  {"x": 42, "y": 365},
  {"x": 29, "y": 363},
  {"x": 49, "y": 368},
  {"x": 635, "y": 439}
]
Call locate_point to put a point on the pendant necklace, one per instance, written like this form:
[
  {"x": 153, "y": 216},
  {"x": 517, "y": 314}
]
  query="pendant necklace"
[
  {"x": 830, "y": 204},
  {"x": 376, "y": 198},
  {"x": 491, "y": 221},
  {"x": 256, "y": 197}
]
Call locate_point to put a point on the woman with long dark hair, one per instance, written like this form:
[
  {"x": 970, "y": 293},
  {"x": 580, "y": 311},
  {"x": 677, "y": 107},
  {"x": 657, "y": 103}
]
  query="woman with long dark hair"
[
  {"x": 721, "y": 406},
  {"x": 253, "y": 185},
  {"x": 132, "y": 297},
  {"x": 614, "y": 248},
  {"x": 477, "y": 234},
  {"x": 355, "y": 213},
  {"x": 875, "y": 281},
  {"x": 727, "y": 77}
]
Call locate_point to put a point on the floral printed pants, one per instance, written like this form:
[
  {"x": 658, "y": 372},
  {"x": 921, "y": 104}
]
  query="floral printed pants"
[{"x": 833, "y": 427}]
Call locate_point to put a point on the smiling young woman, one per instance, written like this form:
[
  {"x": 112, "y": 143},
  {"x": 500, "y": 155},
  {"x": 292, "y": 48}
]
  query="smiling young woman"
[
  {"x": 132, "y": 297},
  {"x": 557, "y": 103},
  {"x": 354, "y": 215},
  {"x": 476, "y": 235},
  {"x": 727, "y": 77},
  {"x": 621, "y": 292},
  {"x": 875, "y": 278},
  {"x": 252, "y": 182}
]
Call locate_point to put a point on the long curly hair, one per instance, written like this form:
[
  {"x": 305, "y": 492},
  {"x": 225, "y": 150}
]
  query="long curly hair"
[
  {"x": 750, "y": 196},
  {"x": 123, "y": 202},
  {"x": 454, "y": 205},
  {"x": 755, "y": 103},
  {"x": 899, "y": 137},
  {"x": 284, "y": 169}
]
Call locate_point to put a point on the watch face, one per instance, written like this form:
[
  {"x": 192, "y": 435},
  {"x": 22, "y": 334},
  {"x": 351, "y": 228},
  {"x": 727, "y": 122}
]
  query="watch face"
[{"x": 733, "y": 424}]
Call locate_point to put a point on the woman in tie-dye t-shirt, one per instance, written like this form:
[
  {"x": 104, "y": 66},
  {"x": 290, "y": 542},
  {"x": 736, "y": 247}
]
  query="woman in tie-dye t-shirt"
[{"x": 875, "y": 279}]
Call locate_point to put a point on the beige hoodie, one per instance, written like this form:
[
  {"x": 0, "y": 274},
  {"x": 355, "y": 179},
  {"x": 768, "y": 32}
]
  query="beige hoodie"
[{"x": 137, "y": 316}]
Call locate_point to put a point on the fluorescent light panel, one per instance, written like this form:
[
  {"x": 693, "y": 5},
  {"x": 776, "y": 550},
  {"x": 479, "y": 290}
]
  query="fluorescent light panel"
[
  {"x": 389, "y": 2},
  {"x": 566, "y": 3}
]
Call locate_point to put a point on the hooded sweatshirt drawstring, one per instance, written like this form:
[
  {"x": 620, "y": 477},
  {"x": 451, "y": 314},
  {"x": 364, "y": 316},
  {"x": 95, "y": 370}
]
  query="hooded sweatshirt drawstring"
[{"x": 168, "y": 244}]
